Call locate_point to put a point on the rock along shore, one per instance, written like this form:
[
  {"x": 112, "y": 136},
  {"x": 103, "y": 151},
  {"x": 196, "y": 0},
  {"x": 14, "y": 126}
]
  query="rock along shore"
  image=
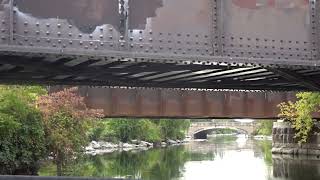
[{"x": 101, "y": 147}]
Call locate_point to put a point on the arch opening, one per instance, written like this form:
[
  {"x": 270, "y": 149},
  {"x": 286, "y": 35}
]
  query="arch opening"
[{"x": 203, "y": 133}]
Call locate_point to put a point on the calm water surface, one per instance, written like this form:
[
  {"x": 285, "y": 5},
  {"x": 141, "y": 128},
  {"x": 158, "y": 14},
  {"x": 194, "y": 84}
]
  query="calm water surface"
[{"x": 227, "y": 158}]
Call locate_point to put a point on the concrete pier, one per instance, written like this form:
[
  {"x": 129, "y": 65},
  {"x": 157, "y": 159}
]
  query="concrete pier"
[{"x": 283, "y": 141}]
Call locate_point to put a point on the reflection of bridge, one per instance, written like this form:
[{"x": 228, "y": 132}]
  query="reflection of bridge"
[{"x": 199, "y": 130}]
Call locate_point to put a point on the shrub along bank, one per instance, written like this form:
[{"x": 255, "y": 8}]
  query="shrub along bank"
[
  {"x": 125, "y": 130},
  {"x": 35, "y": 125}
]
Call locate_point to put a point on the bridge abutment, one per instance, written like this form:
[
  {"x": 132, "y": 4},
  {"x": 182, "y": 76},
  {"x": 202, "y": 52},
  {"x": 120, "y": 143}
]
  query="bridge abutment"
[{"x": 283, "y": 141}]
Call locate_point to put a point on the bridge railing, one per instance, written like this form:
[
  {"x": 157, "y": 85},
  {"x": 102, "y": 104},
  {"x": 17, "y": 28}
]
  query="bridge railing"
[
  {"x": 172, "y": 28},
  {"x": 225, "y": 124}
]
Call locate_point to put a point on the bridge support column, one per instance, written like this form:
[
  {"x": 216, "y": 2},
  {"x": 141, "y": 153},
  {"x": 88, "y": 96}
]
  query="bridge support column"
[{"x": 283, "y": 141}]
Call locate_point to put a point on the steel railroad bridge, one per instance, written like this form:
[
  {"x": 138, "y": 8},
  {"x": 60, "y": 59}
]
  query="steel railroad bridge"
[{"x": 186, "y": 44}]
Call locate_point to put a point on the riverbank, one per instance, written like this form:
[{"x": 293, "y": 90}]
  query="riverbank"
[{"x": 101, "y": 147}]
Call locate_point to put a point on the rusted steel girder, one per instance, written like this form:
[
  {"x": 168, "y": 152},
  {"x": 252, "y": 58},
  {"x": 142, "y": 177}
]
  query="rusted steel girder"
[{"x": 162, "y": 103}]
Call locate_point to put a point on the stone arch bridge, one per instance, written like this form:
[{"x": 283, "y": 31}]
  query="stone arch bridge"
[{"x": 200, "y": 130}]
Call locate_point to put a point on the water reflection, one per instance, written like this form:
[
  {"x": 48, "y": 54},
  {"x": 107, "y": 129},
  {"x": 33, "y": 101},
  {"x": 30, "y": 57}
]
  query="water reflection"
[
  {"x": 218, "y": 158},
  {"x": 296, "y": 168}
]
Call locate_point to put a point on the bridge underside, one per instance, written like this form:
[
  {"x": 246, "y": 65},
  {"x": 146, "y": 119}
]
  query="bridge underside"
[
  {"x": 203, "y": 44},
  {"x": 54, "y": 68}
]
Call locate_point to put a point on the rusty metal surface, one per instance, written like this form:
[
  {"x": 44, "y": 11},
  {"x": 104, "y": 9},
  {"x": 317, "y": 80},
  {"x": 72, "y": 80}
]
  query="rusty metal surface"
[
  {"x": 203, "y": 44},
  {"x": 84, "y": 24},
  {"x": 276, "y": 29},
  {"x": 157, "y": 103},
  {"x": 155, "y": 26}
]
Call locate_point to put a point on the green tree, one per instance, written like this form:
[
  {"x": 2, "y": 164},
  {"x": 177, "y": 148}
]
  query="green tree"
[
  {"x": 66, "y": 119},
  {"x": 300, "y": 114},
  {"x": 22, "y": 142},
  {"x": 173, "y": 129},
  {"x": 140, "y": 129},
  {"x": 129, "y": 129},
  {"x": 265, "y": 127}
]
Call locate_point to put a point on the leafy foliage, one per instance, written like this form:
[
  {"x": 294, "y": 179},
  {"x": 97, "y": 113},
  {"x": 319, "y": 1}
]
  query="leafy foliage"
[
  {"x": 173, "y": 129},
  {"x": 141, "y": 129},
  {"x": 264, "y": 127},
  {"x": 21, "y": 131},
  {"x": 300, "y": 114},
  {"x": 66, "y": 120}
]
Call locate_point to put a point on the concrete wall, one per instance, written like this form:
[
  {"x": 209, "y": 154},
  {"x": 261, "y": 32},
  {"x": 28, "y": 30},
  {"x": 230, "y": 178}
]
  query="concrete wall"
[{"x": 285, "y": 143}]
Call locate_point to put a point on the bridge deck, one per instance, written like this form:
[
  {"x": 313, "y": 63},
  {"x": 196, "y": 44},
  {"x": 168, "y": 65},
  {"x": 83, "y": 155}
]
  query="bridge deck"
[{"x": 202, "y": 44}]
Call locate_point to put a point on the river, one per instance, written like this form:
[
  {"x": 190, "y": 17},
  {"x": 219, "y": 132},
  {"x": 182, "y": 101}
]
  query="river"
[{"x": 225, "y": 157}]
